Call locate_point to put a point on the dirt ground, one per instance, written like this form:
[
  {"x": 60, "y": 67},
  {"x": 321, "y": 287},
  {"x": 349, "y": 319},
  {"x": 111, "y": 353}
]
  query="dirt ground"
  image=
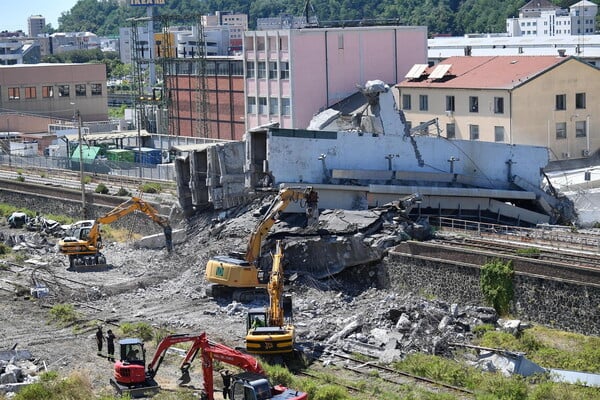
[{"x": 163, "y": 289}]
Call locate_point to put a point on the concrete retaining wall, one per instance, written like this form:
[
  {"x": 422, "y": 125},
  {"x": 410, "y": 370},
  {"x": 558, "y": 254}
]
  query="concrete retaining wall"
[{"x": 557, "y": 303}]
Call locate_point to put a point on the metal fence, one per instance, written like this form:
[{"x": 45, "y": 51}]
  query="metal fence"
[
  {"x": 556, "y": 236},
  {"x": 161, "y": 172}
]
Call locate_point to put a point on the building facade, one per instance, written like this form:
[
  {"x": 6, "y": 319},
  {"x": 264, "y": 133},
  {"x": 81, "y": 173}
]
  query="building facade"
[
  {"x": 542, "y": 101},
  {"x": 55, "y": 90},
  {"x": 222, "y": 114},
  {"x": 291, "y": 74},
  {"x": 36, "y": 25},
  {"x": 543, "y": 18}
]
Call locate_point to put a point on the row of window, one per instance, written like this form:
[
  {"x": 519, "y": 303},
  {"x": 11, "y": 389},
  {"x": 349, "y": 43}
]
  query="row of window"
[
  {"x": 270, "y": 107},
  {"x": 259, "y": 69},
  {"x": 451, "y": 103},
  {"x": 561, "y": 103},
  {"x": 48, "y": 92},
  {"x": 261, "y": 41},
  {"x": 561, "y": 131}
]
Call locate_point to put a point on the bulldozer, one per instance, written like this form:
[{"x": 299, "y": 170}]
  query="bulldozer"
[
  {"x": 83, "y": 241},
  {"x": 239, "y": 277}
]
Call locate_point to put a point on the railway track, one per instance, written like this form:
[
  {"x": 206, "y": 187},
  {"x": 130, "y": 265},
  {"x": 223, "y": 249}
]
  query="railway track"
[
  {"x": 369, "y": 370},
  {"x": 543, "y": 252}
]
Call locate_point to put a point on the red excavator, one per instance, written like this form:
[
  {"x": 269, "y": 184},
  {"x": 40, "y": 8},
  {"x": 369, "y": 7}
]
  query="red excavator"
[{"x": 133, "y": 378}]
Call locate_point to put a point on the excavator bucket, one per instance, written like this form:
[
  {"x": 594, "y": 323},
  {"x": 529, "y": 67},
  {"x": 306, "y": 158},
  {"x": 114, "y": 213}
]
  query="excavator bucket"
[{"x": 184, "y": 379}]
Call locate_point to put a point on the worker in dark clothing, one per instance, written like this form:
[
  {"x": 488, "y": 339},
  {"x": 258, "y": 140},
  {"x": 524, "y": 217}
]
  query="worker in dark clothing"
[
  {"x": 110, "y": 345},
  {"x": 226, "y": 375},
  {"x": 99, "y": 339}
]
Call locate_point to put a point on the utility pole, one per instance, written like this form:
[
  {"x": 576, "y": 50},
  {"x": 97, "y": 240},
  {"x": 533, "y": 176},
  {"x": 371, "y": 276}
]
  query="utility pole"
[{"x": 81, "y": 177}]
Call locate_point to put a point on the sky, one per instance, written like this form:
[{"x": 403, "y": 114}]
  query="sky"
[{"x": 14, "y": 14}]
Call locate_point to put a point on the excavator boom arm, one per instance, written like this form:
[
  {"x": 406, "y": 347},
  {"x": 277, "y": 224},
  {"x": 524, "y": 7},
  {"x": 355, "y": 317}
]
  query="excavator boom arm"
[
  {"x": 279, "y": 204},
  {"x": 275, "y": 288}
]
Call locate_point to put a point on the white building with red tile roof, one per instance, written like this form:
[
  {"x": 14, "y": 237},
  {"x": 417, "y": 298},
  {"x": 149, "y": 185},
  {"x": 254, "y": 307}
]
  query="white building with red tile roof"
[{"x": 539, "y": 100}]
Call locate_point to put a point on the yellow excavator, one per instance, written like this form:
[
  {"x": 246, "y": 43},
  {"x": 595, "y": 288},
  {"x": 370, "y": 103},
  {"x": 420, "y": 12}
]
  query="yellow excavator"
[
  {"x": 229, "y": 275},
  {"x": 84, "y": 241},
  {"x": 268, "y": 331}
]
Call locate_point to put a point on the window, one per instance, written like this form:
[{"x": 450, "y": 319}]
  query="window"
[
  {"x": 406, "y": 102},
  {"x": 47, "y": 92},
  {"x": 561, "y": 130},
  {"x": 272, "y": 70},
  {"x": 423, "y": 102},
  {"x": 30, "y": 92},
  {"x": 340, "y": 41},
  {"x": 579, "y": 100},
  {"x": 273, "y": 106},
  {"x": 260, "y": 43},
  {"x": 63, "y": 90},
  {"x": 285, "y": 106},
  {"x": 262, "y": 105},
  {"x": 473, "y": 104},
  {"x": 262, "y": 70},
  {"x": 96, "y": 89},
  {"x": 450, "y": 103},
  {"x": 499, "y": 133},
  {"x": 450, "y": 131},
  {"x": 250, "y": 73},
  {"x": 580, "y": 129},
  {"x": 474, "y": 132},
  {"x": 561, "y": 101},
  {"x": 251, "y": 105},
  {"x": 498, "y": 106},
  {"x": 80, "y": 90},
  {"x": 284, "y": 70},
  {"x": 14, "y": 93}
]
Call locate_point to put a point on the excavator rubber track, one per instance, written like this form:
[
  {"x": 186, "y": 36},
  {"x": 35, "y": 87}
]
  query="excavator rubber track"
[{"x": 148, "y": 389}]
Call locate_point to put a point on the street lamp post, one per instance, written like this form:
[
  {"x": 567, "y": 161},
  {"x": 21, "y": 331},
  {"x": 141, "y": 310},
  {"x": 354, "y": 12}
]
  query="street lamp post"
[{"x": 81, "y": 177}]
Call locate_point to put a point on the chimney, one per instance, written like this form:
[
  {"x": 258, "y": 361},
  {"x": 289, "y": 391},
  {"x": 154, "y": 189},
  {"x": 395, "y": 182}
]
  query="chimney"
[{"x": 561, "y": 52}]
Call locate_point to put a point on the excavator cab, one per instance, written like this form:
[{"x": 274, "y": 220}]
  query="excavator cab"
[
  {"x": 130, "y": 369},
  {"x": 249, "y": 386}
]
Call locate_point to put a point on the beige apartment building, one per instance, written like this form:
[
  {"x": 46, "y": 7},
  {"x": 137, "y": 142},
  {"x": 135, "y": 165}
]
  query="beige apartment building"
[
  {"x": 55, "y": 90},
  {"x": 549, "y": 101}
]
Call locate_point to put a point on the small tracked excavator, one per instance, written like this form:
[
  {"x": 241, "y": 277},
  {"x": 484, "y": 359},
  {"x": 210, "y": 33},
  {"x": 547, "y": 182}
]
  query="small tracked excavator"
[
  {"x": 268, "y": 331},
  {"x": 240, "y": 276},
  {"x": 132, "y": 378},
  {"x": 84, "y": 241}
]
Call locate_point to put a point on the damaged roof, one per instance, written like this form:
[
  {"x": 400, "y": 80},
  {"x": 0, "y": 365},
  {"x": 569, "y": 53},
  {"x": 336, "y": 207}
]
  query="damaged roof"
[{"x": 484, "y": 72}]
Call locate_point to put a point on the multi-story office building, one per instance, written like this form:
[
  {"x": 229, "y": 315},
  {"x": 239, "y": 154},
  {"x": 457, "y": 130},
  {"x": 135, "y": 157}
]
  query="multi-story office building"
[{"x": 36, "y": 25}]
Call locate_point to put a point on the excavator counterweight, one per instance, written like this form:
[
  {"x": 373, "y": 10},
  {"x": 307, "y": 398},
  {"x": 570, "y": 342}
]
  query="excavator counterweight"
[{"x": 242, "y": 275}]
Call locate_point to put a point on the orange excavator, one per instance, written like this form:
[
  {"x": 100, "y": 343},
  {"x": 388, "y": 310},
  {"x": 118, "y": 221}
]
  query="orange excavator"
[
  {"x": 240, "y": 276},
  {"x": 268, "y": 331},
  {"x": 84, "y": 242},
  {"x": 133, "y": 378}
]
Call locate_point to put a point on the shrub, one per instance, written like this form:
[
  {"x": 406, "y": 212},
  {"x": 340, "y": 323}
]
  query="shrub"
[
  {"x": 496, "y": 284},
  {"x": 64, "y": 313},
  {"x": 87, "y": 179},
  {"x": 528, "y": 252},
  {"x": 101, "y": 188},
  {"x": 20, "y": 178},
  {"x": 140, "y": 330},
  {"x": 151, "y": 188},
  {"x": 4, "y": 249},
  {"x": 123, "y": 192}
]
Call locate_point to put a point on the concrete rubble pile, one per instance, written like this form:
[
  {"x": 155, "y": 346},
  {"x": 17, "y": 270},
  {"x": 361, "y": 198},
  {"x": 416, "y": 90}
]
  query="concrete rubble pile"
[
  {"x": 17, "y": 369},
  {"x": 391, "y": 327}
]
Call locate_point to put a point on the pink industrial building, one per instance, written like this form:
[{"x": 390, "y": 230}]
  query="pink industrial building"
[{"x": 291, "y": 74}]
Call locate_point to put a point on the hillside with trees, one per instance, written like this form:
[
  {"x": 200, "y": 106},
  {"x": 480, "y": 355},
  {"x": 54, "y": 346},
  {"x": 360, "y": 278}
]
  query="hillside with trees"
[{"x": 442, "y": 17}]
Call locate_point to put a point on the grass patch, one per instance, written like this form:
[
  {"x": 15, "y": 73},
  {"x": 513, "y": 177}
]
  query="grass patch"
[
  {"x": 64, "y": 314},
  {"x": 151, "y": 188},
  {"x": 141, "y": 330}
]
